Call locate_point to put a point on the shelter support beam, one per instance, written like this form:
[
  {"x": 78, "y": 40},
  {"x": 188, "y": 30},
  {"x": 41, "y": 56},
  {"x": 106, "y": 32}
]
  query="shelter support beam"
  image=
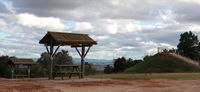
[
  {"x": 83, "y": 55},
  {"x": 82, "y": 62},
  {"x": 29, "y": 71},
  {"x": 13, "y": 71},
  {"x": 51, "y": 61},
  {"x": 51, "y": 53}
]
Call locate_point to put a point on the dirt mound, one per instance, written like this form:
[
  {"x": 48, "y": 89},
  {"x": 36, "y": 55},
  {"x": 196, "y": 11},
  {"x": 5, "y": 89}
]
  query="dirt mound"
[
  {"x": 183, "y": 58},
  {"x": 165, "y": 63}
]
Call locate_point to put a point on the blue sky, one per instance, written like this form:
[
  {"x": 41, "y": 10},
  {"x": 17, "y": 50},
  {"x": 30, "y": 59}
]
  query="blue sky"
[{"x": 130, "y": 28}]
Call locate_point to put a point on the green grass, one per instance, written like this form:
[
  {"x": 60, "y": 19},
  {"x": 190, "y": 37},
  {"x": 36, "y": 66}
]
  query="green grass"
[
  {"x": 161, "y": 64},
  {"x": 149, "y": 76}
]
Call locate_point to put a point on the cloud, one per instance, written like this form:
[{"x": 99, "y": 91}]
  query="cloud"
[
  {"x": 3, "y": 8},
  {"x": 100, "y": 38},
  {"x": 188, "y": 11},
  {"x": 2, "y": 22},
  {"x": 47, "y": 23},
  {"x": 142, "y": 10},
  {"x": 83, "y": 26},
  {"x": 92, "y": 9},
  {"x": 131, "y": 28}
]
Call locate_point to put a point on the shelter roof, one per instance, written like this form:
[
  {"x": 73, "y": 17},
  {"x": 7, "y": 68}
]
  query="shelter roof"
[
  {"x": 21, "y": 61},
  {"x": 61, "y": 38}
]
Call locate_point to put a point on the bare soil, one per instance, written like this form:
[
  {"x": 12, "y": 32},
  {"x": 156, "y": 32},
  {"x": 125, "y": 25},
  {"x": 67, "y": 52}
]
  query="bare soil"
[{"x": 99, "y": 85}]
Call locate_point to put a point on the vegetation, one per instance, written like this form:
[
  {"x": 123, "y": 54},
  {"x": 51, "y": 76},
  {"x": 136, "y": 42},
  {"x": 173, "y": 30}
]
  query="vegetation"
[
  {"x": 4, "y": 68},
  {"x": 108, "y": 69},
  {"x": 162, "y": 64},
  {"x": 189, "y": 45},
  {"x": 120, "y": 65},
  {"x": 88, "y": 69},
  {"x": 42, "y": 67}
]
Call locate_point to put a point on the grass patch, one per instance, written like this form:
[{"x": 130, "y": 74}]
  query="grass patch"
[{"x": 149, "y": 76}]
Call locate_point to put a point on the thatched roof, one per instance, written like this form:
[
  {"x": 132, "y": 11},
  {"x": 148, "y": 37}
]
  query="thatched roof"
[
  {"x": 21, "y": 61},
  {"x": 72, "y": 39}
]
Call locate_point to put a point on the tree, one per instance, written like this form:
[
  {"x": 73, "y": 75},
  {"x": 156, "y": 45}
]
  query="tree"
[
  {"x": 38, "y": 71},
  {"x": 170, "y": 50},
  {"x": 189, "y": 45},
  {"x": 136, "y": 62},
  {"x": 129, "y": 62},
  {"x": 44, "y": 60},
  {"x": 42, "y": 69},
  {"x": 63, "y": 58},
  {"x": 88, "y": 69},
  {"x": 120, "y": 64},
  {"x": 108, "y": 69},
  {"x": 4, "y": 67}
]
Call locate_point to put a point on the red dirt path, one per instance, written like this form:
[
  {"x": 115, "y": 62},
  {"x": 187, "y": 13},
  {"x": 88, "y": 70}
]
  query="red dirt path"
[{"x": 99, "y": 85}]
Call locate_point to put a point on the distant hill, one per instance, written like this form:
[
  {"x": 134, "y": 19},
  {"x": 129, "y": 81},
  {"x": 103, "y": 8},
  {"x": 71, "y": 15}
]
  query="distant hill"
[
  {"x": 98, "y": 64},
  {"x": 165, "y": 63},
  {"x": 35, "y": 59},
  {"x": 77, "y": 60}
]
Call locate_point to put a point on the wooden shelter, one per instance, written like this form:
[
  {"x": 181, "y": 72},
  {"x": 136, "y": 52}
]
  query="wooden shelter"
[
  {"x": 14, "y": 62},
  {"x": 76, "y": 41}
]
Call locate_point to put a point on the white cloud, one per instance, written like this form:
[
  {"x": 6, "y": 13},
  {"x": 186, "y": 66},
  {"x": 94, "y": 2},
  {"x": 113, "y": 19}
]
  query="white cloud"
[
  {"x": 47, "y": 23},
  {"x": 138, "y": 39},
  {"x": 152, "y": 50},
  {"x": 112, "y": 28},
  {"x": 166, "y": 45},
  {"x": 83, "y": 26},
  {"x": 148, "y": 43},
  {"x": 104, "y": 37},
  {"x": 130, "y": 27},
  {"x": 189, "y": 1},
  {"x": 125, "y": 48}
]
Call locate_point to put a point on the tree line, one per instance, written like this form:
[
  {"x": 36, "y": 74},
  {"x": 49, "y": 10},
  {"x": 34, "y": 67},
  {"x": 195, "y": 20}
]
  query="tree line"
[
  {"x": 41, "y": 69},
  {"x": 120, "y": 64},
  {"x": 188, "y": 46}
]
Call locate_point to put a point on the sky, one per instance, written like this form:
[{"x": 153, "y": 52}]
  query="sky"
[{"x": 129, "y": 28}]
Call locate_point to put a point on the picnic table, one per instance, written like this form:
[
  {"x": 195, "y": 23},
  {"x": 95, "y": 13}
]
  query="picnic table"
[{"x": 67, "y": 70}]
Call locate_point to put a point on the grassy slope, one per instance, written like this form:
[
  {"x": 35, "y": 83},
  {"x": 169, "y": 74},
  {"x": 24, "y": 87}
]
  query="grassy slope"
[
  {"x": 163, "y": 64},
  {"x": 149, "y": 76}
]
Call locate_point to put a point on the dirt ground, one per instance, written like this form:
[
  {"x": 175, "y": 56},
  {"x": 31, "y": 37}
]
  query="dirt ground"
[{"x": 99, "y": 85}]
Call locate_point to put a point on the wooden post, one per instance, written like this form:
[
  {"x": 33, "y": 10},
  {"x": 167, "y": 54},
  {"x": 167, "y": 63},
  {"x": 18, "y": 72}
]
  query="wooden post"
[
  {"x": 82, "y": 62},
  {"x": 29, "y": 71},
  {"x": 51, "y": 53},
  {"x": 51, "y": 62},
  {"x": 12, "y": 70},
  {"x": 83, "y": 55}
]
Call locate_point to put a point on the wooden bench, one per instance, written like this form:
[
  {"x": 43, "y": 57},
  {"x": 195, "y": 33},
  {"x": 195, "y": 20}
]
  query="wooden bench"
[{"x": 59, "y": 70}]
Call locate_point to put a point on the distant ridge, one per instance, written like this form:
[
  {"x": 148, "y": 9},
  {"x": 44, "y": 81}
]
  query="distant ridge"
[{"x": 77, "y": 60}]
